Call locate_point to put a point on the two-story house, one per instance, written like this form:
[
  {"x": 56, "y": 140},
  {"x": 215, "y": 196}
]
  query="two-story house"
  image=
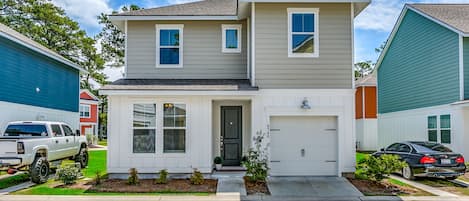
[
  {"x": 204, "y": 79},
  {"x": 37, "y": 83},
  {"x": 89, "y": 104},
  {"x": 423, "y": 77}
]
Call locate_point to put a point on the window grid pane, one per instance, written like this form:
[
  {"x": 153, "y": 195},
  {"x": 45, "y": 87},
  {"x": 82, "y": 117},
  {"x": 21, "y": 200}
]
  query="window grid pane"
[
  {"x": 432, "y": 136},
  {"x": 231, "y": 38},
  {"x": 445, "y": 121},
  {"x": 445, "y": 136},
  {"x": 169, "y": 55},
  {"x": 431, "y": 122}
]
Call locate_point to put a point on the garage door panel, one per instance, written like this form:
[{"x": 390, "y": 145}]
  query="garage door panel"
[{"x": 303, "y": 146}]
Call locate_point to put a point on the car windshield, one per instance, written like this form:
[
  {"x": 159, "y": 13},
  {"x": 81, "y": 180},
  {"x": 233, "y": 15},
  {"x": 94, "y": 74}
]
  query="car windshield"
[
  {"x": 26, "y": 130},
  {"x": 431, "y": 147}
]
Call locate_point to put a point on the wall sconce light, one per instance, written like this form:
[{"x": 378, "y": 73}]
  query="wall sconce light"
[{"x": 305, "y": 104}]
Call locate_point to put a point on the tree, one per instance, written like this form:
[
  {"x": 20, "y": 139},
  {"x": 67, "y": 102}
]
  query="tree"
[
  {"x": 48, "y": 25},
  {"x": 381, "y": 47},
  {"x": 112, "y": 39},
  {"x": 363, "y": 68}
]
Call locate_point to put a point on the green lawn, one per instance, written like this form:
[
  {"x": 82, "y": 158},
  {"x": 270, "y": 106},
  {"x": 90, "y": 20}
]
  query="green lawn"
[
  {"x": 97, "y": 162},
  {"x": 102, "y": 142},
  {"x": 13, "y": 180}
]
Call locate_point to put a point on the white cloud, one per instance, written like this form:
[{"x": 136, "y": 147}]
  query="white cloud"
[
  {"x": 84, "y": 11},
  {"x": 381, "y": 15}
]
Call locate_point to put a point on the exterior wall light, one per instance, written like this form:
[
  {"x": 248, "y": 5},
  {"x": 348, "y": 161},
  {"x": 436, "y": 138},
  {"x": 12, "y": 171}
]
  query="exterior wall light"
[{"x": 305, "y": 104}]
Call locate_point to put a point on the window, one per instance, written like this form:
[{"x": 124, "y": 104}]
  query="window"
[
  {"x": 404, "y": 148},
  {"x": 393, "y": 147},
  {"x": 144, "y": 128},
  {"x": 303, "y": 32},
  {"x": 174, "y": 128},
  {"x": 26, "y": 130},
  {"x": 169, "y": 39},
  {"x": 67, "y": 130},
  {"x": 231, "y": 38},
  {"x": 432, "y": 129},
  {"x": 84, "y": 111},
  {"x": 445, "y": 128},
  {"x": 56, "y": 131}
]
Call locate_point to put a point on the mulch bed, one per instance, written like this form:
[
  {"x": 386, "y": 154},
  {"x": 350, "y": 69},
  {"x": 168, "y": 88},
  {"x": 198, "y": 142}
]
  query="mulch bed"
[
  {"x": 149, "y": 186},
  {"x": 383, "y": 188},
  {"x": 256, "y": 188}
]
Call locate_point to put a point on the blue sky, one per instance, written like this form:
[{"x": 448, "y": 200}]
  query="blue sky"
[{"x": 372, "y": 26}]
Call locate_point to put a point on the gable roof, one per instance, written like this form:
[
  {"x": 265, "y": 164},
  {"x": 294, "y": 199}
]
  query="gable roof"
[
  {"x": 88, "y": 95},
  {"x": 450, "y": 16},
  {"x": 454, "y": 15},
  {"x": 198, "y": 8},
  {"x": 21, "y": 39}
]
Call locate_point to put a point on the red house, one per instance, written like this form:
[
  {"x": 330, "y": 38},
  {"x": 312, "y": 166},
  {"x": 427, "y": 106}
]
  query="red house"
[{"x": 88, "y": 112}]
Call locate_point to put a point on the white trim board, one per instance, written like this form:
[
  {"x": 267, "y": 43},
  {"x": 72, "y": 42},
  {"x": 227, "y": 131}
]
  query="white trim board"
[
  {"x": 461, "y": 67},
  {"x": 227, "y": 17},
  {"x": 398, "y": 24},
  {"x": 238, "y": 28},
  {"x": 315, "y": 33},
  {"x": 180, "y": 28}
]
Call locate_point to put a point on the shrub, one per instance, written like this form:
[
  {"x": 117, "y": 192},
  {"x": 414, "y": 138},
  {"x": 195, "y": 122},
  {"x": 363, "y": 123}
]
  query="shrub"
[
  {"x": 98, "y": 178},
  {"x": 68, "y": 173},
  {"x": 163, "y": 177},
  {"x": 256, "y": 161},
  {"x": 218, "y": 160},
  {"x": 377, "y": 168},
  {"x": 197, "y": 178},
  {"x": 133, "y": 177}
]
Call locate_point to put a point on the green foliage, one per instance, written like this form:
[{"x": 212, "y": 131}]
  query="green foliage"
[
  {"x": 218, "y": 160},
  {"x": 256, "y": 160},
  {"x": 363, "y": 68},
  {"x": 377, "y": 168},
  {"x": 98, "y": 178},
  {"x": 47, "y": 24},
  {"x": 197, "y": 178},
  {"x": 133, "y": 177},
  {"x": 68, "y": 173},
  {"x": 14, "y": 180},
  {"x": 163, "y": 179}
]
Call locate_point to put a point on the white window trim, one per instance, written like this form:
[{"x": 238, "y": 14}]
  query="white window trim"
[
  {"x": 84, "y": 112},
  {"x": 238, "y": 28},
  {"x": 179, "y": 27},
  {"x": 144, "y": 128},
  {"x": 314, "y": 11},
  {"x": 175, "y": 128}
]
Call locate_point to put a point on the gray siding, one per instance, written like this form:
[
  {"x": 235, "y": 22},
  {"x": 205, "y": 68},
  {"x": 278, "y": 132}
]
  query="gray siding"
[
  {"x": 333, "y": 67},
  {"x": 203, "y": 57},
  {"x": 466, "y": 67}
]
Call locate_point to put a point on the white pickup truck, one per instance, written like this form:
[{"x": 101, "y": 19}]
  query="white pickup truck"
[{"x": 37, "y": 145}]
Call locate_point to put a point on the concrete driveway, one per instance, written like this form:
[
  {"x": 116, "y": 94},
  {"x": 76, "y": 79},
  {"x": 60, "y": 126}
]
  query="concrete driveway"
[{"x": 312, "y": 187}]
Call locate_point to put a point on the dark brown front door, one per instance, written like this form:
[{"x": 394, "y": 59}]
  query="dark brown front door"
[{"x": 231, "y": 135}]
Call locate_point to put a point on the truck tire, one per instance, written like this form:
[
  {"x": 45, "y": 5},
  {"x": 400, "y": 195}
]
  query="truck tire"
[
  {"x": 40, "y": 170},
  {"x": 82, "y": 158}
]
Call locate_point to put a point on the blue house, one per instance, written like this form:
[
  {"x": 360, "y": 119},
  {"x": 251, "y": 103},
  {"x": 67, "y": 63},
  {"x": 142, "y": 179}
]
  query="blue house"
[
  {"x": 37, "y": 83},
  {"x": 423, "y": 77}
]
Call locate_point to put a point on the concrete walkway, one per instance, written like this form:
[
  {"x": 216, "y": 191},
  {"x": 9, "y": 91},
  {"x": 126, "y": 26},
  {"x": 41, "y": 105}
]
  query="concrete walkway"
[
  {"x": 322, "y": 187},
  {"x": 16, "y": 188},
  {"x": 424, "y": 187}
]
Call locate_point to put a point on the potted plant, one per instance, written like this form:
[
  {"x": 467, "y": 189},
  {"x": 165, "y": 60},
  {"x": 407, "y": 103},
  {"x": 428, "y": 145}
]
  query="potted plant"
[
  {"x": 218, "y": 160},
  {"x": 244, "y": 159}
]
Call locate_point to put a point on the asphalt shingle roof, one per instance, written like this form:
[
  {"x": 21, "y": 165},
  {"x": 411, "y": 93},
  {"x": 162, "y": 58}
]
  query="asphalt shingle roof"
[
  {"x": 199, "y": 8},
  {"x": 454, "y": 15},
  {"x": 180, "y": 84}
]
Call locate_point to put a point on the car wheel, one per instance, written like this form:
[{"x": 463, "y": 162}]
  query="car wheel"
[
  {"x": 39, "y": 170},
  {"x": 407, "y": 173},
  {"x": 82, "y": 158}
]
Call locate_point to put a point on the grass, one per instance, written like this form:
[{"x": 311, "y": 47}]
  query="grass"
[
  {"x": 97, "y": 162},
  {"x": 13, "y": 180},
  {"x": 102, "y": 142}
]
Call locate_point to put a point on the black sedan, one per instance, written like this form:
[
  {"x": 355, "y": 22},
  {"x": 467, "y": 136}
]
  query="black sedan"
[{"x": 426, "y": 159}]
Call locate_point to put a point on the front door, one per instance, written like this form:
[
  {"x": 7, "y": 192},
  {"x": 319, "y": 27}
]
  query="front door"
[{"x": 231, "y": 133}]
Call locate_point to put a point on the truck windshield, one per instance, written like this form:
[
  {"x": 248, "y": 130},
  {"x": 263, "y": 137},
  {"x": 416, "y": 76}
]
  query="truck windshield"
[{"x": 26, "y": 130}]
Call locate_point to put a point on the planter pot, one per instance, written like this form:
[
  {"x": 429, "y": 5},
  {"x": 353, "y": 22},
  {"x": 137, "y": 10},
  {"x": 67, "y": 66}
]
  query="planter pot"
[{"x": 218, "y": 166}]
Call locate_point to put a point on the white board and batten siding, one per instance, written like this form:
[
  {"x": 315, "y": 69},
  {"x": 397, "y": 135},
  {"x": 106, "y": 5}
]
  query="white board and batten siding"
[
  {"x": 411, "y": 125},
  {"x": 367, "y": 137}
]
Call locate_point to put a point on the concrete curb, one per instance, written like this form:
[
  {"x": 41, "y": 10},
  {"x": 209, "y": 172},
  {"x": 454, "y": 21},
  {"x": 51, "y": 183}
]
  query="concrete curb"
[
  {"x": 424, "y": 187},
  {"x": 16, "y": 188}
]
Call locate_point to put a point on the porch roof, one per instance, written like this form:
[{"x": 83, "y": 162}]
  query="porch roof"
[{"x": 182, "y": 84}]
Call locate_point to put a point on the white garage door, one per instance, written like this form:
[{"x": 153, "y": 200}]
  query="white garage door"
[{"x": 303, "y": 146}]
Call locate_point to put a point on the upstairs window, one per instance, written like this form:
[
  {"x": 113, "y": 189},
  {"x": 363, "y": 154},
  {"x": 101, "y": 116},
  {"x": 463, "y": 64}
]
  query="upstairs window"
[
  {"x": 303, "y": 32},
  {"x": 231, "y": 38},
  {"x": 84, "y": 111},
  {"x": 169, "y": 40}
]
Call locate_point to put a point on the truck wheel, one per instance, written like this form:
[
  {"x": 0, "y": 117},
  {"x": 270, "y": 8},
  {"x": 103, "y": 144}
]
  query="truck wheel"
[
  {"x": 39, "y": 170},
  {"x": 82, "y": 158}
]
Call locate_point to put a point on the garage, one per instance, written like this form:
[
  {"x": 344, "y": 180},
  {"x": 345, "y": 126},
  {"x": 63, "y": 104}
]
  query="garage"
[{"x": 303, "y": 146}]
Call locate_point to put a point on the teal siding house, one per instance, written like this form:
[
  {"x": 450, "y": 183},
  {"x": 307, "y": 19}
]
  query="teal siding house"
[
  {"x": 37, "y": 83},
  {"x": 423, "y": 77}
]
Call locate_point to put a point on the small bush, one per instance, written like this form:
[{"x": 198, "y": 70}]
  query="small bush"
[
  {"x": 163, "y": 179},
  {"x": 133, "y": 177},
  {"x": 377, "y": 168},
  {"x": 197, "y": 178},
  {"x": 98, "y": 178},
  {"x": 218, "y": 160},
  {"x": 68, "y": 173},
  {"x": 256, "y": 160}
]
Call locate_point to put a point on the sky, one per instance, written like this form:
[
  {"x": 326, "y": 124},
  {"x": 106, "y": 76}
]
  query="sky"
[{"x": 372, "y": 26}]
